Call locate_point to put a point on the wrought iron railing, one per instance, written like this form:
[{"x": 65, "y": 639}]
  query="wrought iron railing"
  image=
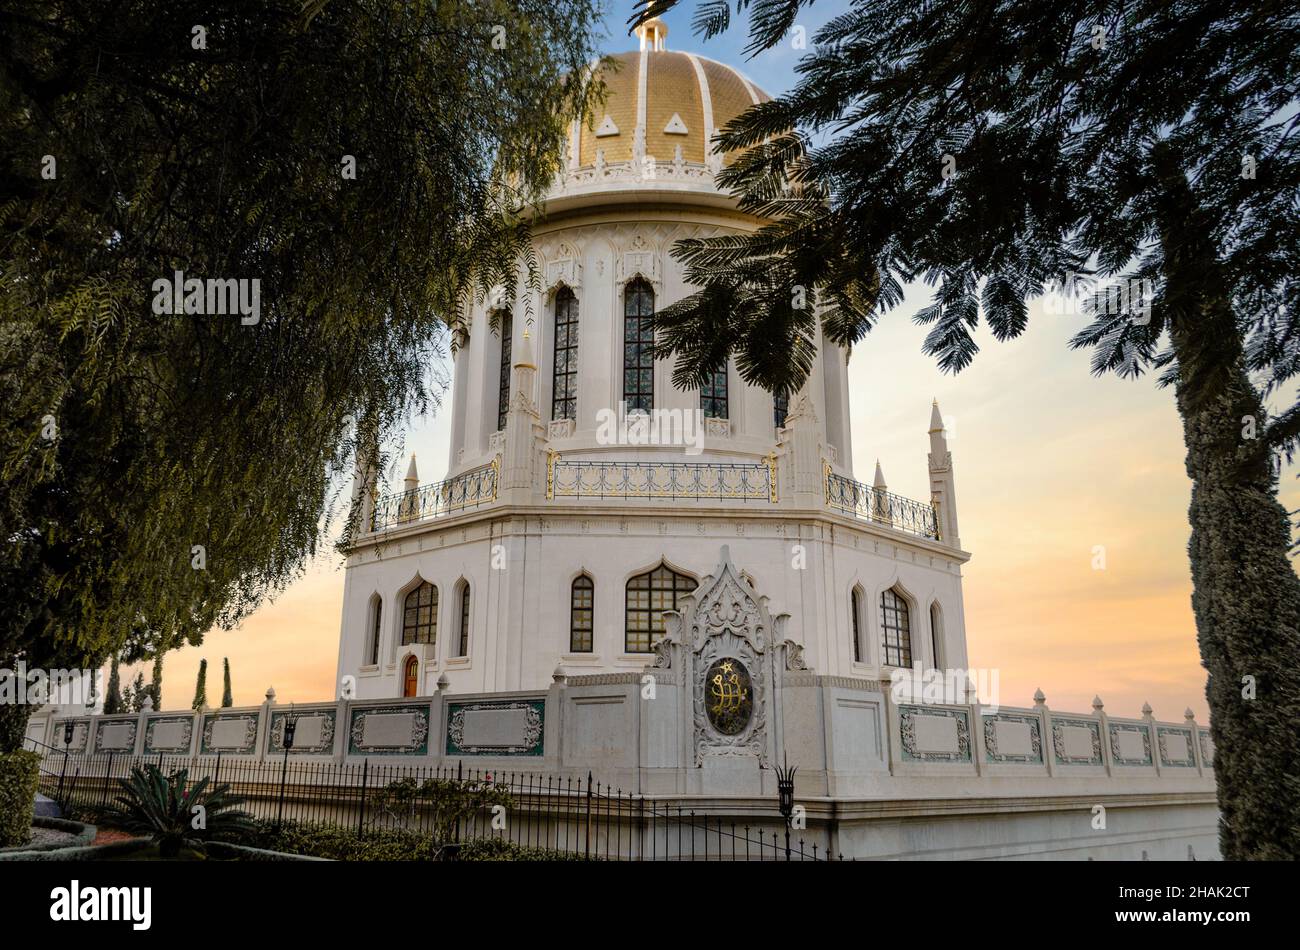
[
  {"x": 740, "y": 481},
  {"x": 469, "y": 490},
  {"x": 882, "y": 507}
]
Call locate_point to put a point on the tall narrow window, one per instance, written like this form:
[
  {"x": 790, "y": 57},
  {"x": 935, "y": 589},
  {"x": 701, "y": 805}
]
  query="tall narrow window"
[
  {"x": 581, "y": 614},
  {"x": 564, "y": 373},
  {"x": 897, "y": 629},
  {"x": 648, "y": 596},
  {"x": 855, "y": 610},
  {"x": 420, "y": 615},
  {"x": 376, "y": 613},
  {"x": 936, "y": 635},
  {"x": 713, "y": 395},
  {"x": 411, "y": 677},
  {"x": 638, "y": 346},
  {"x": 464, "y": 621},
  {"x": 505, "y": 326},
  {"x": 780, "y": 407}
]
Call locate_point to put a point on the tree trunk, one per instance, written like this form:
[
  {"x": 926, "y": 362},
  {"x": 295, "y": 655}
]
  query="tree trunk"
[
  {"x": 1246, "y": 595},
  {"x": 13, "y": 725}
]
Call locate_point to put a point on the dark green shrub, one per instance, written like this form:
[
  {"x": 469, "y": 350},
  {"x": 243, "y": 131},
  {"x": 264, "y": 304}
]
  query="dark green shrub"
[
  {"x": 20, "y": 773},
  {"x": 344, "y": 844}
]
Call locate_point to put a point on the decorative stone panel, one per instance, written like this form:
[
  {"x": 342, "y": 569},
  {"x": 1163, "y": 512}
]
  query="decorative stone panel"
[
  {"x": 80, "y": 733},
  {"x": 1130, "y": 744},
  {"x": 1207, "y": 746},
  {"x": 934, "y": 734},
  {"x": 169, "y": 734},
  {"x": 514, "y": 728},
  {"x": 314, "y": 734},
  {"x": 1013, "y": 738},
  {"x": 1176, "y": 749},
  {"x": 116, "y": 735},
  {"x": 560, "y": 429},
  {"x": 389, "y": 730},
  {"x": 229, "y": 734},
  {"x": 1076, "y": 741}
]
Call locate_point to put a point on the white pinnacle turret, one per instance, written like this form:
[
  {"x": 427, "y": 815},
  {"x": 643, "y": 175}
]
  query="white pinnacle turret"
[{"x": 412, "y": 480}]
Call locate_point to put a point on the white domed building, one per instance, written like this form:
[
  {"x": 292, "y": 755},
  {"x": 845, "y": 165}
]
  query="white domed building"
[{"x": 558, "y": 537}]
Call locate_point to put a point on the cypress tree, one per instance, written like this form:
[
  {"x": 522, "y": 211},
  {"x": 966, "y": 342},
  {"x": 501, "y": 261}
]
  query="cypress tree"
[
  {"x": 156, "y": 686},
  {"x": 226, "y": 699},
  {"x": 113, "y": 699},
  {"x": 201, "y": 687}
]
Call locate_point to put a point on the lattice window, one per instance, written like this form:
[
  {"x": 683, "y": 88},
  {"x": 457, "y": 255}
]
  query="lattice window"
[
  {"x": 713, "y": 396},
  {"x": 638, "y": 346},
  {"x": 376, "y": 615},
  {"x": 648, "y": 596},
  {"x": 780, "y": 409},
  {"x": 582, "y": 597},
  {"x": 505, "y": 326},
  {"x": 464, "y": 621},
  {"x": 897, "y": 629},
  {"x": 855, "y": 610},
  {"x": 420, "y": 616},
  {"x": 564, "y": 371}
]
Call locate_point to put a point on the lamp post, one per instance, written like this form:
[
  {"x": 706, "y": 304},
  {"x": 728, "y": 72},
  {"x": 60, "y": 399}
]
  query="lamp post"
[
  {"x": 68, "y": 729},
  {"x": 785, "y": 799},
  {"x": 290, "y": 727}
]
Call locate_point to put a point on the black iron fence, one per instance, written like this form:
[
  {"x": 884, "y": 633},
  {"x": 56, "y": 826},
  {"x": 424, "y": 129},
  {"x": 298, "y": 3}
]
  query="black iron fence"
[{"x": 570, "y": 815}]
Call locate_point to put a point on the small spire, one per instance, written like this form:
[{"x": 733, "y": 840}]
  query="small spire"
[
  {"x": 412, "y": 474},
  {"x": 879, "y": 480},
  {"x": 1189, "y": 715},
  {"x": 1096, "y": 704},
  {"x": 936, "y": 420},
  {"x": 525, "y": 358},
  {"x": 1146, "y": 710},
  {"x": 1039, "y": 698}
]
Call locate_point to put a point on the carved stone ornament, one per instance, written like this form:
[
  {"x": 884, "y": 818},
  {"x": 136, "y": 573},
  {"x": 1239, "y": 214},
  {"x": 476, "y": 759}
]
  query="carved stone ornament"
[{"x": 725, "y": 630}]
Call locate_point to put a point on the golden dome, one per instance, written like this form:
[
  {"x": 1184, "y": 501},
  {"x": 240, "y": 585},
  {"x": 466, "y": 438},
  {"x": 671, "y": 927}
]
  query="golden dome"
[{"x": 676, "y": 100}]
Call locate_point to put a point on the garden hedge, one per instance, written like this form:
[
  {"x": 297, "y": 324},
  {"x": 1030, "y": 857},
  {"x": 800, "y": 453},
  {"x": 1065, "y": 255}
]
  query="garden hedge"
[{"x": 20, "y": 773}]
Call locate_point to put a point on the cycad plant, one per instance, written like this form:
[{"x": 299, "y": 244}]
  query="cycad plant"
[{"x": 172, "y": 814}]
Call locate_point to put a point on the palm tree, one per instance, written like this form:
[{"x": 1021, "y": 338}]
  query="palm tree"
[{"x": 173, "y": 814}]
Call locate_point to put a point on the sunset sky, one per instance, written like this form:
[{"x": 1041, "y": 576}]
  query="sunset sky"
[{"x": 1050, "y": 462}]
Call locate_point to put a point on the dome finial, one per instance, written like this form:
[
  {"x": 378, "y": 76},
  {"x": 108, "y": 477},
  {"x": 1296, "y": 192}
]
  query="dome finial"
[{"x": 652, "y": 32}]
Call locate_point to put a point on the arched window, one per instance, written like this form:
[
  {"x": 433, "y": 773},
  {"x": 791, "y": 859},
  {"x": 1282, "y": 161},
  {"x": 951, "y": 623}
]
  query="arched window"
[
  {"x": 780, "y": 407},
  {"x": 713, "y": 396},
  {"x": 372, "y": 644},
  {"x": 638, "y": 346},
  {"x": 855, "y": 612},
  {"x": 505, "y": 326},
  {"x": 411, "y": 677},
  {"x": 581, "y": 614},
  {"x": 648, "y": 596},
  {"x": 420, "y": 616},
  {"x": 564, "y": 372},
  {"x": 897, "y": 629},
  {"x": 463, "y": 627},
  {"x": 936, "y": 635}
]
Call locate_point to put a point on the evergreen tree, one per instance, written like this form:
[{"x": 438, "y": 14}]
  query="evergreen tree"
[
  {"x": 226, "y": 700},
  {"x": 364, "y": 161},
  {"x": 997, "y": 148},
  {"x": 136, "y": 694},
  {"x": 201, "y": 687},
  {"x": 156, "y": 686},
  {"x": 113, "y": 698}
]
